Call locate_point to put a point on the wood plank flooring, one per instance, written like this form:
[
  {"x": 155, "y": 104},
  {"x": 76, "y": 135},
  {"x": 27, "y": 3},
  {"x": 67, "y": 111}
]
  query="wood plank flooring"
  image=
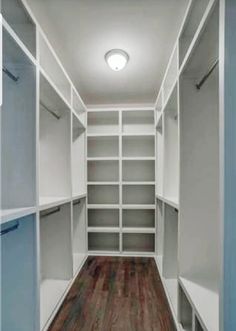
[{"x": 115, "y": 294}]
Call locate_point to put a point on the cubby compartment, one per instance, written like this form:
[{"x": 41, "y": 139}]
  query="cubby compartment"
[
  {"x": 19, "y": 275},
  {"x": 138, "y": 218},
  {"x": 103, "y": 171},
  {"x": 185, "y": 311},
  {"x": 138, "y": 122},
  {"x": 107, "y": 242},
  {"x": 138, "y": 194},
  {"x": 159, "y": 157},
  {"x": 79, "y": 107},
  {"x": 138, "y": 170},
  {"x": 18, "y": 129},
  {"x": 78, "y": 158},
  {"x": 171, "y": 147},
  {"x": 103, "y": 218},
  {"x": 171, "y": 76},
  {"x": 138, "y": 146},
  {"x": 103, "y": 146},
  {"x": 138, "y": 242},
  {"x": 16, "y": 15},
  {"x": 103, "y": 122},
  {"x": 50, "y": 64},
  {"x": 54, "y": 131},
  {"x": 55, "y": 258},
  {"x": 195, "y": 15},
  {"x": 79, "y": 233},
  {"x": 200, "y": 206},
  {"x": 103, "y": 194}
]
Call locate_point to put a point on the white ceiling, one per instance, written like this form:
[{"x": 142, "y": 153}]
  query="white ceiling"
[{"x": 82, "y": 31}]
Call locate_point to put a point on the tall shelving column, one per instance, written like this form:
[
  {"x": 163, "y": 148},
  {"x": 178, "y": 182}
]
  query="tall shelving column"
[{"x": 113, "y": 136}]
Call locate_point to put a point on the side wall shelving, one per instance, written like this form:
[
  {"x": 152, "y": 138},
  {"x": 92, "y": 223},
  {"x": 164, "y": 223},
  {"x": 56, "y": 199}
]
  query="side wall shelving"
[
  {"x": 187, "y": 172},
  {"x": 43, "y": 173}
]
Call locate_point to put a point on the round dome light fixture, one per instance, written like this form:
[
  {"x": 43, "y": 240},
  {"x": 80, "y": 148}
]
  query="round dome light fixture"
[{"x": 116, "y": 59}]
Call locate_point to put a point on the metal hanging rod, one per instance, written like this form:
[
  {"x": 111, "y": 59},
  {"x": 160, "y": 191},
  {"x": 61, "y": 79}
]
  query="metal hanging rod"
[
  {"x": 56, "y": 210},
  {"x": 76, "y": 202},
  {"x": 10, "y": 229},
  {"x": 205, "y": 77},
  {"x": 50, "y": 111},
  {"x": 9, "y": 74}
]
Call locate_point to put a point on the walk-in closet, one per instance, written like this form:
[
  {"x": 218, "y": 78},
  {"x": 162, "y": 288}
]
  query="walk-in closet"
[{"x": 118, "y": 165}]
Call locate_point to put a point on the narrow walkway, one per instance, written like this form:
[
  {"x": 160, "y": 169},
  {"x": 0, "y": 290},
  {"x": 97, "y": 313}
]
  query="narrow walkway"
[{"x": 115, "y": 294}]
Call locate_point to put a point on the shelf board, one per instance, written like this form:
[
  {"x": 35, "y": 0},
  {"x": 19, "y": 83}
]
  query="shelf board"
[
  {"x": 115, "y": 158},
  {"x": 100, "y": 206},
  {"x": 102, "y": 134},
  {"x": 139, "y": 158},
  {"x": 158, "y": 118},
  {"x": 138, "y": 134},
  {"x": 138, "y": 206},
  {"x": 103, "y": 183},
  {"x": 138, "y": 230},
  {"x": 205, "y": 300},
  {"x": 7, "y": 215},
  {"x": 169, "y": 201},
  {"x": 49, "y": 202},
  {"x": 79, "y": 195},
  {"x": 103, "y": 229},
  {"x": 138, "y": 183},
  {"x": 78, "y": 260},
  {"x": 51, "y": 292},
  {"x": 139, "y": 253}
]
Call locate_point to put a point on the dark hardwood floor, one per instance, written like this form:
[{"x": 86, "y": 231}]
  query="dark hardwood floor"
[{"x": 115, "y": 294}]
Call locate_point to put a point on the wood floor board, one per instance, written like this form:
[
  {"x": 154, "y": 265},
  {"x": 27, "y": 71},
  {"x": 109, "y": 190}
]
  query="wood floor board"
[{"x": 115, "y": 294}]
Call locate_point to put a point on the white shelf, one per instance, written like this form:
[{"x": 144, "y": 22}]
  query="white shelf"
[
  {"x": 101, "y": 218},
  {"x": 103, "y": 229},
  {"x": 78, "y": 195},
  {"x": 138, "y": 122},
  {"x": 102, "y": 135},
  {"x": 138, "y": 158},
  {"x": 138, "y": 183},
  {"x": 138, "y": 134},
  {"x": 103, "y": 206},
  {"x": 51, "y": 292},
  {"x": 138, "y": 206},
  {"x": 138, "y": 242},
  {"x": 7, "y": 215},
  {"x": 138, "y": 230},
  {"x": 138, "y": 218},
  {"x": 205, "y": 300},
  {"x": 49, "y": 202},
  {"x": 104, "y": 123},
  {"x": 103, "y": 158},
  {"x": 103, "y": 183},
  {"x": 169, "y": 201}
]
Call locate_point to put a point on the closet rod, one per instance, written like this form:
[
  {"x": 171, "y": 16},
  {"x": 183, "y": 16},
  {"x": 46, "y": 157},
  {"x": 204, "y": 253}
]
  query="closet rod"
[
  {"x": 76, "y": 203},
  {"x": 50, "y": 111},
  {"x": 205, "y": 77},
  {"x": 10, "y": 229},
  {"x": 9, "y": 74},
  {"x": 50, "y": 212}
]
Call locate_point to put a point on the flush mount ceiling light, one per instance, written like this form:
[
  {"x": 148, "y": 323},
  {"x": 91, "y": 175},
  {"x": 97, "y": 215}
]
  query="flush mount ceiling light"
[{"x": 116, "y": 59}]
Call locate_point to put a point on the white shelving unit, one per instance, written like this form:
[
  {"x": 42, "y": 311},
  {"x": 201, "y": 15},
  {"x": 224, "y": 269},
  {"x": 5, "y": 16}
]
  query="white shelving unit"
[
  {"x": 43, "y": 174},
  {"x": 18, "y": 127},
  {"x": 187, "y": 172},
  {"x": 121, "y": 181}
]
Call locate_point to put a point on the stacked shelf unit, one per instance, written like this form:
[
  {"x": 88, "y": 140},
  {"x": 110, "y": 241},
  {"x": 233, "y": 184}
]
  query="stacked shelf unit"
[
  {"x": 43, "y": 174},
  {"x": 121, "y": 181},
  {"x": 187, "y": 172}
]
